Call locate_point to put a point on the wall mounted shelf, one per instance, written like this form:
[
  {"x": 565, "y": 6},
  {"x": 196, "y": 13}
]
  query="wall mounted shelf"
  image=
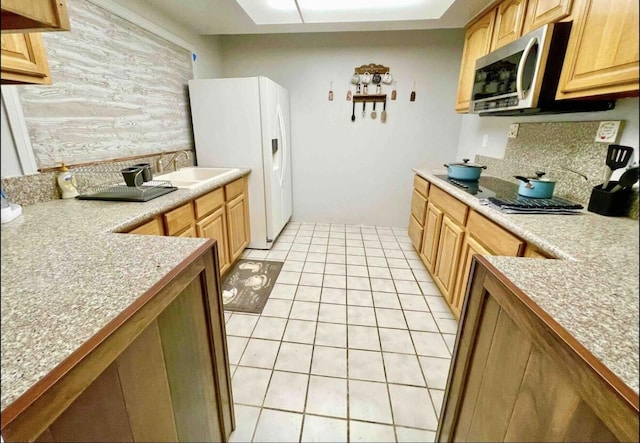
[
  {"x": 372, "y": 68},
  {"x": 359, "y": 98}
]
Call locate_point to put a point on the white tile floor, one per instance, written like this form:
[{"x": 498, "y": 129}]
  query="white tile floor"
[{"x": 354, "y": 343}]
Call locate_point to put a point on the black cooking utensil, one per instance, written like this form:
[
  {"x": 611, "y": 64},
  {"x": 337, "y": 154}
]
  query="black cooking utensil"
[
  {"x": 628, "y": 179},
  {"x": 363, "y": 106},
  {"x": 373, "y": 113},
  {"x": 383, "y": 116},
  {"x": 617, "y": 157},
  {"x": 353, "y": 113}
]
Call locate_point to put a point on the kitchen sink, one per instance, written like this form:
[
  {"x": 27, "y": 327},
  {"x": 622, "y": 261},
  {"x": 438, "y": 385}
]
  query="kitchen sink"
[{"x": 192, "y": 177}]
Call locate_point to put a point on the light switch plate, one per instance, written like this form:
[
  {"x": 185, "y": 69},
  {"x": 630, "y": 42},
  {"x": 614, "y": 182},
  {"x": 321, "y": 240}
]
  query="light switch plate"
[
  {"x": 608, "y": 132},
  {"x": 513, "y": 130}
]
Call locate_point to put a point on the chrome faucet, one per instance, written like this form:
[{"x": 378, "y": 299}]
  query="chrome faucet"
[{"x": 174, "y": 160}]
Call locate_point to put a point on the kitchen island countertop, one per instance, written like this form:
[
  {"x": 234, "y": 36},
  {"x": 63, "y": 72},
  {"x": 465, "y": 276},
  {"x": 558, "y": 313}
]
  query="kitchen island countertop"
[
  {"x": 66, "y": 273},
  {"x": 591, "y": 291}
]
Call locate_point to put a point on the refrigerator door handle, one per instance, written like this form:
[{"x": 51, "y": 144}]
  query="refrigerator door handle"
[
  {"x": 283, "y": 138},
  {"x": 274, "y": 145}
]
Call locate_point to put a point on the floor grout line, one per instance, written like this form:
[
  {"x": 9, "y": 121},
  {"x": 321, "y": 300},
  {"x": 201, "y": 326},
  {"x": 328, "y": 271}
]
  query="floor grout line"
[{"x": 392, "y": 244}]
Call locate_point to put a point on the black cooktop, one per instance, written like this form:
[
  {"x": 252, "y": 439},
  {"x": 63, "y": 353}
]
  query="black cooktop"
[
  {"x": 504, "y": 195},
  {"x": 485, "y": 187}
]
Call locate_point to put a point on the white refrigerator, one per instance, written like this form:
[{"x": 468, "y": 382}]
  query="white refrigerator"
[{"x": 244, "y": 122}]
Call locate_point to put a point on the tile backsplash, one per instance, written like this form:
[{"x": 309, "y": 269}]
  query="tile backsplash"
[{"x": 556, "y": 148}]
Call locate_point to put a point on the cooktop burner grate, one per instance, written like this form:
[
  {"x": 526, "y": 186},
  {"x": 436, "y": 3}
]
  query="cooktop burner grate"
[{"x": 532, "y": 203}]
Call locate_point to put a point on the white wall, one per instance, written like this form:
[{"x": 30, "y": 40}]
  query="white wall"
[
  {"x": 358, "y": 172},
  {"x": 474, "y": 128},
  {"x": 207, "y": 49}
]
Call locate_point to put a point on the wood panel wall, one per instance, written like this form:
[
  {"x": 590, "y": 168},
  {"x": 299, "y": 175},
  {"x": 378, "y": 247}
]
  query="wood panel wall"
[{"x": 118, "y": 91}]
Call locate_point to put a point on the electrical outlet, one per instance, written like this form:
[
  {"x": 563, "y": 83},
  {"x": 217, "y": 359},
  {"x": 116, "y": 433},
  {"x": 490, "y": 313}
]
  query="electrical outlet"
[
  {"x": 485, "y": 141},
  {"x": 513, "y": 130}
]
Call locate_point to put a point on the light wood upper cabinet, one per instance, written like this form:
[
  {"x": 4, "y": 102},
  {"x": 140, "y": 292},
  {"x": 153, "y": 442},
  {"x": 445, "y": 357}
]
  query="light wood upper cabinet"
[
  {"x": 602, "y": 54},
  {"x": 541, "y": 12},
  {"x": 24, "y": 59},
  {"x": 477, "y": 43},
  {"x": 509, "y": 21},
  {"x": 34, "y": 15}
]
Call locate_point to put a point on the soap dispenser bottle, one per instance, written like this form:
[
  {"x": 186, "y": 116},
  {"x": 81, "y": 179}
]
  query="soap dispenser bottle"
[{"x": 67, "y": 182}]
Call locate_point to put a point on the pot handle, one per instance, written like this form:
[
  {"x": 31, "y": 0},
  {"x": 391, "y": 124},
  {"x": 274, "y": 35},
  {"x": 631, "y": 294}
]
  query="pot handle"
[
  {"x": 446, "y": 165},
  {"x": 484, "y": 167},
  {"x": 528, "y": 185}
]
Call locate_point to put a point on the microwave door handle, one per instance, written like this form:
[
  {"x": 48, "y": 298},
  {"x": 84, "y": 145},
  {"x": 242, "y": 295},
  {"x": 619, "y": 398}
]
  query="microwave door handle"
[{"x": 521, "y": 65}]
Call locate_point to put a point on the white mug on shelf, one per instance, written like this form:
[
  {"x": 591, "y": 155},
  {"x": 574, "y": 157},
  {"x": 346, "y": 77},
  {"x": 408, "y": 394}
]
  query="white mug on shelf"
[
  {"x": 365, "y": 78},
  {"x": 387, "y": 78}
]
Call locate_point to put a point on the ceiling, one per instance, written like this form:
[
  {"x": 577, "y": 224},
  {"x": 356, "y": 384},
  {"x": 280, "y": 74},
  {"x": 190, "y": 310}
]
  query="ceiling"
[{"x": 213, "y": 17}]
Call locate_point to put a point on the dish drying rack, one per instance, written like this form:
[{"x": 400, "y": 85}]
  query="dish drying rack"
[{"x": 106, "y": 183}]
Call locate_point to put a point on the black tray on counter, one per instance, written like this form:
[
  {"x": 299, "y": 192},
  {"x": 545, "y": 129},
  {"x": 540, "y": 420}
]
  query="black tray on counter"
[{"x": 128, "y": 193}]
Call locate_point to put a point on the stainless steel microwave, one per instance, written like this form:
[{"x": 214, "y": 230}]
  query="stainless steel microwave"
[{"x": 522, "y": 77}]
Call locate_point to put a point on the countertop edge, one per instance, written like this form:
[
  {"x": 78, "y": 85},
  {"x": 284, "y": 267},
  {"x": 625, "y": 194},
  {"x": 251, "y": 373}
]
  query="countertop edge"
[
  {"x": 142, "y": 212},
  {"x": 568, "y": 261}
]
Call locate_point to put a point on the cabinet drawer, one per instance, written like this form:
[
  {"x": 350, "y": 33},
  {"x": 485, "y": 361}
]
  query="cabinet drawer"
[
  {"x": 421, "y": 185},
  {"x": 418, "y": 207},
  {"x": 153, "y": 227},
  {"x": 498, "y": 240},
  {"x": 208, "y": 203},
  {"x": 178, "y": 219},
  {"x": 533, "y": 252},
  {"x": 415, "y": 233},
  {"x": 234, "y": 188},
  {"x": 453, "y": 207}
]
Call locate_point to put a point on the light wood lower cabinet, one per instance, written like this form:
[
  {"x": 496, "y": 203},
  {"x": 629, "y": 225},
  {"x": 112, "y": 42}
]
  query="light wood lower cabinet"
[
  {"x": 180, "y": 220},
  {"x": 432, "y": 225},
  {"x": 418, "y": 210},
  {"x": 215, "y": 226},
  {"x": 238, "y": 218},
  {"x": 222, "y": 215},
  {"x": 449, "y": 244},
  {"x": 152, "y": 227},
  {"x": 533, "y": 252},
  {"x": 470, "y": 247},
  {"x": 158, "y": 372},
  {"x": 517, "y": 375}
]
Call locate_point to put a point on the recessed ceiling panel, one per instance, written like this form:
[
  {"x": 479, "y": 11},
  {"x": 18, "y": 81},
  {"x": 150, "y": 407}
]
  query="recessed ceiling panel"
[
  {"x": 332, "y": 11},
  {"x": 271, "y": 12}
]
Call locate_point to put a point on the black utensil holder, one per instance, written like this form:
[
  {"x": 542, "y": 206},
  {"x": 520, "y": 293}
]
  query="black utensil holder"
[{"x": 611, "y": 204}]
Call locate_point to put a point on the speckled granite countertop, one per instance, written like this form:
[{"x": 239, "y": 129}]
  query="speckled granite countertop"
[
  {"x": 66, "y": 273},
  {"x": 592, "y": 291}
]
